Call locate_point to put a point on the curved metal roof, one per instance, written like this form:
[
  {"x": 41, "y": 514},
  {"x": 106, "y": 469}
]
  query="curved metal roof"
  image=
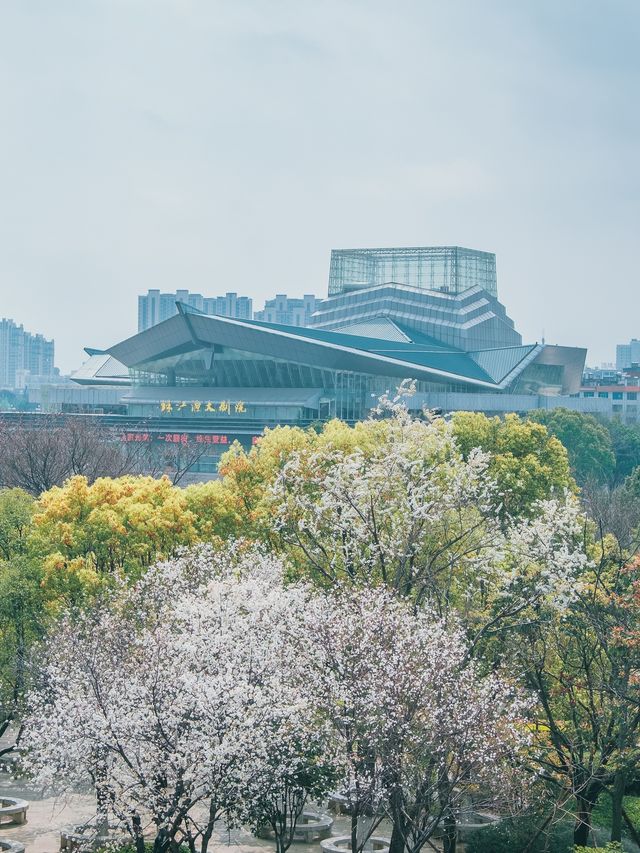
[{"x": 418, "y": 358}]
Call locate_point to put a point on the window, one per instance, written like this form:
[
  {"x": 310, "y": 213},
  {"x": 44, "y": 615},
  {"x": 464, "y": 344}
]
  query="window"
[
  {"x": 632, "y": 395},
  {"x": 588, "y": 394},
  {"x": 617, "y": 395},
  {"x": 603, "y": 394}
]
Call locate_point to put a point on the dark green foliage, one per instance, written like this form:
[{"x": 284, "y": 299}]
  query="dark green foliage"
[
  {"x": 632, "y": 484},
  {"x": 625, "y": 442},
  {"x": 514, "y": 835},
  {"x": 588, "y": 441},
  {"x": 602, "y": 812},
  {"x": 22, "y": 622}
]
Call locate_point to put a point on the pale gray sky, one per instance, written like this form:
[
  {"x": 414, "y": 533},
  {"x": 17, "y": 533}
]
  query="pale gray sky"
[{"x": 229, "y": 144}]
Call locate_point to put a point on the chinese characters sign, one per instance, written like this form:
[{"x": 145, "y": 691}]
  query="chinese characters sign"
[
  {"x": 224, "y": 407},
  {"x": 183, "y": 438}
]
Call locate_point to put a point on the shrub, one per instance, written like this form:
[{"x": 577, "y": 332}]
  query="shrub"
[{"x": 514, "y": 835}]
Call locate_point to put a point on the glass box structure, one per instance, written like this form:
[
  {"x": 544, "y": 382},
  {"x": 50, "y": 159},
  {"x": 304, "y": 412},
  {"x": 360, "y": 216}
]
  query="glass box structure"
[{"x": 448, "y": 269}]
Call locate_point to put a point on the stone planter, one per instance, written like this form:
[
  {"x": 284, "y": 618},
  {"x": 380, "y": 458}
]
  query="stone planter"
[
  {"x": 310, "y": 827},
  {"x": 342, "y": 844},
  {"x": 11, "y": 846},
  {"x": 13, "y": 810},
  {"x": 84, "y": 836}
]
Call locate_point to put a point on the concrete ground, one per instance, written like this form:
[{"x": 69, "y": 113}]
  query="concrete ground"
[
  {"x": 48, "y": 816},
  {"x": 45, "y": 818}
]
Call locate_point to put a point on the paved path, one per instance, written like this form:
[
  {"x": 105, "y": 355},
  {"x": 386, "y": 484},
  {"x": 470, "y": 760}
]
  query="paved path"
[{"x": 47, "y": 817}]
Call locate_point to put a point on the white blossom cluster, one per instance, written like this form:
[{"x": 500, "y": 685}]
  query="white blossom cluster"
[
  {"x": 213, "y": 690},
  {"x": 415, "y": 515}
]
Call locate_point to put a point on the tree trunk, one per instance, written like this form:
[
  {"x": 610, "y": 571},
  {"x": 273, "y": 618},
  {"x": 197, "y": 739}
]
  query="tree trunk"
[
  {"x": 162, "y": 844},
  {"x": 102, "y": 801},
  {"x": 582, "y": 829},
  {"x": 617, "y": 796},
  {"x": 449, "y": 827},
  {"x": 354, "y": 830},
  {"x": 206, "y": 835},
  {"x": 365, "y": 829},
  {"x": 398, "y": 831},
  {"x": 450, "y": 834},
  {"x": 137, "y": 832},
  {"x": 397, "y": 841}
]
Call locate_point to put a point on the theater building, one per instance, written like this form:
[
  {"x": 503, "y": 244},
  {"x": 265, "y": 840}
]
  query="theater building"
[{"x": 212, "y": 380}]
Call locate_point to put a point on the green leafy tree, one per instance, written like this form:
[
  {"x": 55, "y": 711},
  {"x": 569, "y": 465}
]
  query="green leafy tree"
[
  {"x": 587, "y": 440},
  {"x": 632, "y": 484},
  {"x": 16, "y": 513},
  {"x": 625, "y": 441},
  {"x": 581, "y": 665},
  {"x": 527, "y": 462}
]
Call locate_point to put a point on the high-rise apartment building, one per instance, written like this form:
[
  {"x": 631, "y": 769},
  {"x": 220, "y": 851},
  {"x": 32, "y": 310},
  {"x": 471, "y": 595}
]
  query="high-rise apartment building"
[
  {"x": 154, "y": 307},
  {"x": 21, "y": 351},
  {"x": 628, "y": 354},
  {"x": 289, "y": 311}
]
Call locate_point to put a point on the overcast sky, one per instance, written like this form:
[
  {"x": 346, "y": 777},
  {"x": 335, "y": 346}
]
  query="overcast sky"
[{"x": 224, "y": 145}]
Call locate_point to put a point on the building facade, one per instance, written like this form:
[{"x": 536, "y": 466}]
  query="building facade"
[
  {"x": 289, "y": 311},
  {"x": 431, "y": 315},
  {"x": 155, "y": 307},
  {"x": 618, "y": 401},
  {"x": 471, "y": 320},
  {"x": 628, "y": 354},
  {"x": 23, "y": 353}
]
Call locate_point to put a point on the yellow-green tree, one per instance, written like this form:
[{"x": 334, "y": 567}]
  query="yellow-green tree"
[
  {"x": 217, "y": 511},
  {"x": 528, "y": 463},
  {"x": 248, "y": 476},
  {"x": 87, "y": 533}
]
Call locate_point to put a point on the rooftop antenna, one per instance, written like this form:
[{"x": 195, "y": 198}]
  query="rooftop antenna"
[{"x": 543, "y": 341}]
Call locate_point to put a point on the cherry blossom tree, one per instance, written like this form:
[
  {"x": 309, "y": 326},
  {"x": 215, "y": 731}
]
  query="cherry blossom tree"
[
  {"x": 293, "y": 764},
  {"x": 419, "y": 727},
  {"x": 398, "y": 515},
  {"x": 163, "y": 697},
  {"x": 415, "y": 516},
  {"x": 211, "y": 689}
]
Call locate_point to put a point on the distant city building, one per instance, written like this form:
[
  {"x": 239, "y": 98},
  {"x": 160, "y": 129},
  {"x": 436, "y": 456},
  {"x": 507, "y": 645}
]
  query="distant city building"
[
  {"x": 289, "y": 311},
  {"x": 601, "y": 376},
  {"x": 617, "y": 401},
  {"x": 21, "y": 352},
  {"x": 155, "y": 307},
  {"x": 628, "y": 354},
  {"x": 448, "y": 269}
]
